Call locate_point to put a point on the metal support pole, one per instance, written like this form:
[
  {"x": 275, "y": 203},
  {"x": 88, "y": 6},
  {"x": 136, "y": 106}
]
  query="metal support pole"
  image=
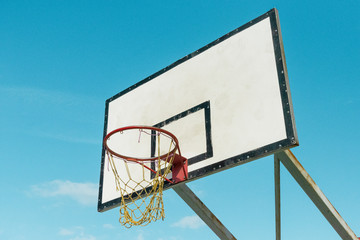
[
  {"x": 277, "y": 198},
  {"x": 203, "y": 212},
  {"x": 315, "y": 194}
]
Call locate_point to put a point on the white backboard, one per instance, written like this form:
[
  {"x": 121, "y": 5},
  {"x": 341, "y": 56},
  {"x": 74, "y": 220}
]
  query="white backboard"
[{"x": 228, "y": 103}]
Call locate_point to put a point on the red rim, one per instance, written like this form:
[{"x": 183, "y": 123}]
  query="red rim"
[{"x": 176, "y": 147}]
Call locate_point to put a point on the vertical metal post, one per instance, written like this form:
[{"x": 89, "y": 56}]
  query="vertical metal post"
[
  {"x": 203, "y": 212},
  {"x": 277, "y": 198},
  {"x": 315, "y": 194}
]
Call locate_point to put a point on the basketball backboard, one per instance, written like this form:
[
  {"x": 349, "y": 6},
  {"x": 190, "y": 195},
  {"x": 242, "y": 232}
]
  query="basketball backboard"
[{"x": 228, "y": 103}]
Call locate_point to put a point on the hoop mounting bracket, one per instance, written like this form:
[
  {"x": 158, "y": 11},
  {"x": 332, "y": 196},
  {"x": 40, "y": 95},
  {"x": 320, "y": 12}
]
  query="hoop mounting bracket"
[{"x": 179, "y": 169}]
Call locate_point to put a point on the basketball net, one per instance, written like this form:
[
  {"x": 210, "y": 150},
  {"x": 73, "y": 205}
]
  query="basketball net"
[{"x": 141, "y": 197}]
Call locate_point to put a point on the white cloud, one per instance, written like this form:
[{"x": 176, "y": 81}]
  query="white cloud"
[
  {"x": 67, "y": 138},
  {"x": 67, "y": 107},
  {"x": 76, "y": 233},
  {"x": 83, "y": 193},
  {"x": 140, "y": 237},
  {"x": 84, "y": 237},
  {"x": 46, "y": 96},
  {"x": 170, "y": 238},
  {"x": 65, "y": 232},
  {"x": 108, "y": 226},
  {"x": 192, "y": 222}
]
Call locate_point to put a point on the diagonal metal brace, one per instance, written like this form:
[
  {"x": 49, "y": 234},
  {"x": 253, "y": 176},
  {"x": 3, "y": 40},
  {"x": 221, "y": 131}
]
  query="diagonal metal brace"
[
  {"x": 203, "y": 212},
  {"x": 315, "y": 194}
]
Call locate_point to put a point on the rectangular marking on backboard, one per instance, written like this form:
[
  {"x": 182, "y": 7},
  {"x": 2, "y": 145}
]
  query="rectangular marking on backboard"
[{"x": 205, "y": 106}]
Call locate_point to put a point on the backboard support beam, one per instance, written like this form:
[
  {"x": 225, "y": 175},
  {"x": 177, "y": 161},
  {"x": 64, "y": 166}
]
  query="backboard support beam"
[
  {"x": 277, "y": 198},
  {"x": 303, "y": 178},
  {"x": 203, "y": 212}
]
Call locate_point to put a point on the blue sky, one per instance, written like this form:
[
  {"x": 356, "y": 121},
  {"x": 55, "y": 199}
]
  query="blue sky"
[{"x": 60, "y": 61}]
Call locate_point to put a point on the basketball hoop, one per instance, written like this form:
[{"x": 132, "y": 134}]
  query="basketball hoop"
[{"x": 156, "y": 156}]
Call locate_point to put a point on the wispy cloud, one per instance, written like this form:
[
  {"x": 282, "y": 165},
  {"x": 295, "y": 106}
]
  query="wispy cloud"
[
  {"x": 48, "y": 96},
  {"x": 76, "y": 233},
  {"x": 140, "y": 237},
  {"x": 108, "y": 226},
  {"x": 88, "y": 237},
  {"x": 171, "y": 238},
  {"x": 192, "y": 222},
  {"x": 83, "y": 193},
  {"x": 49, "y": 113},
  {"x": 66, "y": 138},
  {"x": 65, "y": 232}
]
